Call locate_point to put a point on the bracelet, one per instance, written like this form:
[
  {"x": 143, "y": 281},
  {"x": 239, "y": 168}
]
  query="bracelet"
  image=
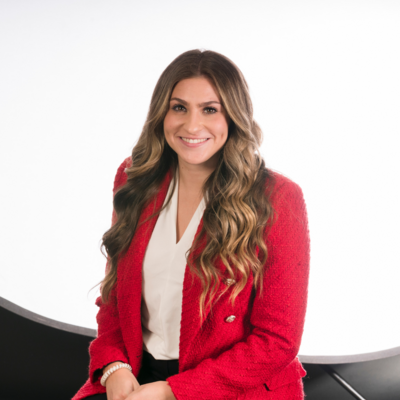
[{"x": 113, "y": 369}]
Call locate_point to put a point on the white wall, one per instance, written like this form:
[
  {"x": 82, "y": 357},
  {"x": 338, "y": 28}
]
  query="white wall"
[{"x": 76, "y": 80}]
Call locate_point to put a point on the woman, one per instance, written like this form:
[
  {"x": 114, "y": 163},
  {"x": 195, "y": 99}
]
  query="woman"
[{"x": 208, "y": 254}]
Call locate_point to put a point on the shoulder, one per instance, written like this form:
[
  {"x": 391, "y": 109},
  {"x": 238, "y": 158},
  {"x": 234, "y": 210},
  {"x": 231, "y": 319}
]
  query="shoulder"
[
  {"x": 121, "y": 177},
  {"x": 279, "y": 185},
  {"x": 286, "y": 197}
]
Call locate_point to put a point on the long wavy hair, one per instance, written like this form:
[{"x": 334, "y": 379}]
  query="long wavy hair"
[{"x": 237, "y": 193}]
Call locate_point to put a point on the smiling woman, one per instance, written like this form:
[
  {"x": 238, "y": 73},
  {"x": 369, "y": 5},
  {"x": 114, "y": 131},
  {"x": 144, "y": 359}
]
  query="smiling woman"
[
  {"x": 191, "y": 123},
  {"x": 205, "y": 290},
  {"x": 196, "y": 132}
]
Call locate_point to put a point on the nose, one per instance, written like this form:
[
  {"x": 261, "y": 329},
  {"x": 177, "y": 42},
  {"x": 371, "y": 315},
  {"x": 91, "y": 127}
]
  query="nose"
[{"x": 193, "y": 123}]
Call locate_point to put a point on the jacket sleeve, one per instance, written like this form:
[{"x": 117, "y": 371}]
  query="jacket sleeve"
[
  {"x": 277, "y": 316},
  {"x": 108, "y": 345}
]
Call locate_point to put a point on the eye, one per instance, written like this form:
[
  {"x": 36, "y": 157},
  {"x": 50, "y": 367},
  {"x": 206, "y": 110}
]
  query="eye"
[
  {"x": 210, "y": 110},
  {"x": 178, "y": 107}
]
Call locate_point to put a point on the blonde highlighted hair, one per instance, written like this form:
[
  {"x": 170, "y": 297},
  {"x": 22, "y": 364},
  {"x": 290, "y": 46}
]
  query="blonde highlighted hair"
[{"x": 238, "y": 208}]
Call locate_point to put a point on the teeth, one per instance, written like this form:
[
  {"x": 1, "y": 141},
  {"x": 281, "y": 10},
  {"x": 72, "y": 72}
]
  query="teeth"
[{"x": 194, "y": 140}]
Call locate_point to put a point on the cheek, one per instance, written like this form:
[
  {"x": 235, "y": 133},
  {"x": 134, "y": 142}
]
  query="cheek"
[
  {"x": 221, "y": 129},
  {"x": 168, "y": 128},
  {"x": 166, "y": 124}
]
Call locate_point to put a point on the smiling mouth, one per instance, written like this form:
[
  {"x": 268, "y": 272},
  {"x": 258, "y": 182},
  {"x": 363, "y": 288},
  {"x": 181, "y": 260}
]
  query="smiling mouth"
[{"x": 193, "y": 140}]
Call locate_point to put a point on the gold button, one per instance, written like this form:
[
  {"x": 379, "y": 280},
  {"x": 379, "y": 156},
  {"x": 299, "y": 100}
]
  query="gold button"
[
  {"x": 231, "y": 318},
  {"x": 229, "y": 282}
]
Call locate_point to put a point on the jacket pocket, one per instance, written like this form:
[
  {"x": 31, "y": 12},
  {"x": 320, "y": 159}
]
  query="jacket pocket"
[
  {"x": 285, "y": 385},
  {"x": 293, "y": 372}
]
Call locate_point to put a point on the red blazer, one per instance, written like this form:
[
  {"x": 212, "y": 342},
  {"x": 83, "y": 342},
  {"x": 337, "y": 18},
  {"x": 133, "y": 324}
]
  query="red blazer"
[{"x": 252, "y": 357}]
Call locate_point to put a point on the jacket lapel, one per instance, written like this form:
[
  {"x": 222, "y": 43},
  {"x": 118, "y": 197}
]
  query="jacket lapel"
[
  {"x": 191, "y": 323},
  {"x": 130, "y": 276}
]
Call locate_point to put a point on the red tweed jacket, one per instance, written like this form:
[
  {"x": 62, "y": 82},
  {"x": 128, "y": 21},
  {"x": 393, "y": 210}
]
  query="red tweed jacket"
[{"x": 252, "y": 357}]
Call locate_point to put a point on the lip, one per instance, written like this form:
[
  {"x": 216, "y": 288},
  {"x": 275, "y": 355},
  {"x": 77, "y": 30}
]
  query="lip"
[{"x": 193, "y": 144}]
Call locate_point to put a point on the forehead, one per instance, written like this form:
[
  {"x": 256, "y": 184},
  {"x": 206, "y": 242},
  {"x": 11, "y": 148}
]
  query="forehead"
[{"x": 195, "y": 89}]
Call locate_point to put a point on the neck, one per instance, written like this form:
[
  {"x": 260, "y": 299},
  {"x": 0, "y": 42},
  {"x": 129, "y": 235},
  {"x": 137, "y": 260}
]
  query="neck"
[{"x": 192, "y": 177}]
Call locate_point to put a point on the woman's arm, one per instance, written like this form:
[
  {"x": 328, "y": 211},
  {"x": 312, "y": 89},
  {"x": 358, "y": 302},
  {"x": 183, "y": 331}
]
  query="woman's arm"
[
  {"x": 120, "y": 383},
  {"x": 277, "y": 317},
  {"x": 109, "y": 346}
]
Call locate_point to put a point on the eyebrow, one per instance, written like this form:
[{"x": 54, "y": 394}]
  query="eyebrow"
[{"x": 200, "y": 105}]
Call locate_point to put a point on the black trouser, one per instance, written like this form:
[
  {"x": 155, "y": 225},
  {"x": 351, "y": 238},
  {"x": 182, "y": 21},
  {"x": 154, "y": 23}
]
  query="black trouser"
[{"x": 152, "y": 371}]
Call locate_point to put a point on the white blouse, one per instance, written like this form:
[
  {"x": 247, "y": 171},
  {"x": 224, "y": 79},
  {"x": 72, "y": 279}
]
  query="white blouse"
[{"x": 163, "y": 272}]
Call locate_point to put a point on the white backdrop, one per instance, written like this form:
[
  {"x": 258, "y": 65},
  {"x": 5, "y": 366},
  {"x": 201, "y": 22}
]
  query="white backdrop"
[{"x": 76, "y": 80}]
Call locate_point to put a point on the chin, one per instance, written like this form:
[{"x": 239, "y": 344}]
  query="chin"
[{"x": 194, "y": 161}]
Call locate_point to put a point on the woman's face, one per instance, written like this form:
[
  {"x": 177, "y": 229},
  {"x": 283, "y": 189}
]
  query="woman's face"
[{"x": 196, "y": 124}]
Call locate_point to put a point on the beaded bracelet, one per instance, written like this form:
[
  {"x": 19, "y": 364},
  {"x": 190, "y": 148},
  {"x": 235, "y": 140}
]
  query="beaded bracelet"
[{"x": 113, "y": 369}]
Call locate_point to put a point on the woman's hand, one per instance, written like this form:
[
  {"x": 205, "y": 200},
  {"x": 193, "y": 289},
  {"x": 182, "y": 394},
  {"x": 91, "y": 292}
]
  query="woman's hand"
[
  {"x": 120, "y": 383},
  {"x": 153, "y": 391}
]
